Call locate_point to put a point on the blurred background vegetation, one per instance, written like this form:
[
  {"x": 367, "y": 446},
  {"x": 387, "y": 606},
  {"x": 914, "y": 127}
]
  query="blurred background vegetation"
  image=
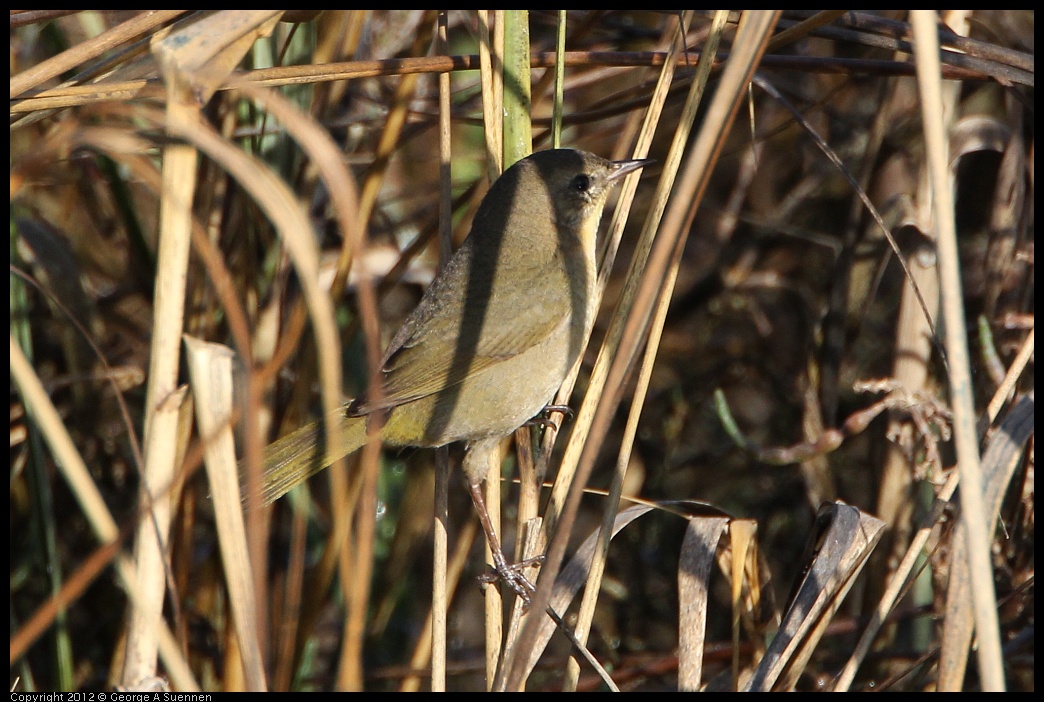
[{"x": 788, "y": 295}]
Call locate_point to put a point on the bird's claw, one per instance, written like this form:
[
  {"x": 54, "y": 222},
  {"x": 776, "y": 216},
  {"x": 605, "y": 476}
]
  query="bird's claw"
[
  {"x": 513, "y": 577},
  {"x": 544, "y": 418}
]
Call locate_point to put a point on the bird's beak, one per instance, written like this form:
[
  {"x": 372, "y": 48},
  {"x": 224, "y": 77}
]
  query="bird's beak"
[{"x": 622, "y": 168}]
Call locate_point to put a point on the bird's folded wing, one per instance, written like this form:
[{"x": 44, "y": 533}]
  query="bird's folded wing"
[{"x": 429, "y": 354}]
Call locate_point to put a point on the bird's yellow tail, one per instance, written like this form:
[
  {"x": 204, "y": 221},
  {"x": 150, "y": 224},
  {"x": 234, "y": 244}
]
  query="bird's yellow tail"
[{"x": 291, "y": 460}]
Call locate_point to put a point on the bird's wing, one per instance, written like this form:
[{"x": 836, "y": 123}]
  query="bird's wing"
[{"x": 430, "y": 354}]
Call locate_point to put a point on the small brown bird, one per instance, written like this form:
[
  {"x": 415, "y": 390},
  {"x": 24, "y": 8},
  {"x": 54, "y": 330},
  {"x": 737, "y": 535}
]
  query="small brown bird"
[{"x": 494, "y": 335}]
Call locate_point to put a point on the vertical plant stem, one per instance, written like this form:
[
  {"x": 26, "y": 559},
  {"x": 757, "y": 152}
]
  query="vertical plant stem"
[{"x": 976, "y": 531}]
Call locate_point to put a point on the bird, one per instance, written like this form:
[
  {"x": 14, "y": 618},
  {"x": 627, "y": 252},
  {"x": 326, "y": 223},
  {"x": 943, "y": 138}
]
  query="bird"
[{"x": 492, "y": 338}]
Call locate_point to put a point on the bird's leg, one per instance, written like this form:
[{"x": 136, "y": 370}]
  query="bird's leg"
[{"x": 510, "y": 574}]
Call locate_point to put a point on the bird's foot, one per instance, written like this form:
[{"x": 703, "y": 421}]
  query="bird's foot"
[
  {"x": 544, "y": 418},
  {"x": 512, "y": 576}
]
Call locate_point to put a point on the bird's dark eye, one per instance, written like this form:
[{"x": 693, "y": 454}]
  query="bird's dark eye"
[{"x": 580, "y": 183}]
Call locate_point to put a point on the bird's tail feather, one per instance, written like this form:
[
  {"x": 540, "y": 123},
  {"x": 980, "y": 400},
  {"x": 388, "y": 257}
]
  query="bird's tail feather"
[{"x": 291, "y": 460}]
